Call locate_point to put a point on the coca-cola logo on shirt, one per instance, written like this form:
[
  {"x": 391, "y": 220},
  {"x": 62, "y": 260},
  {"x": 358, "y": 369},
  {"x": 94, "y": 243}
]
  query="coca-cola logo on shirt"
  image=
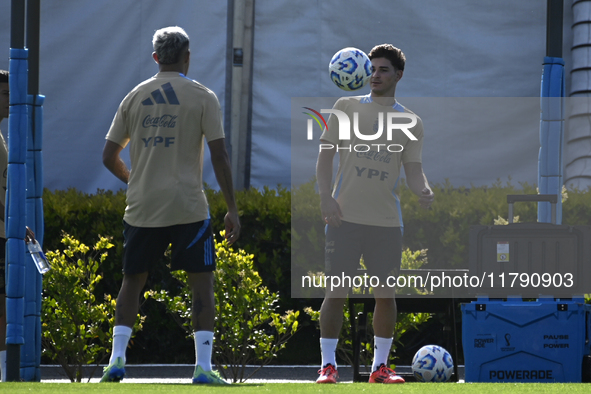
[
  {"x": 164, "y": 121},
  {"x": 379, "y": 156}
]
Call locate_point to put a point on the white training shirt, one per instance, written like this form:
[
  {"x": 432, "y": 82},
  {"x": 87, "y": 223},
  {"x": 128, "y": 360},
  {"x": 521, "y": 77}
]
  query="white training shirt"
[
  {"x": 165, "y": 120},
  {"x": 367, "y": 177}
]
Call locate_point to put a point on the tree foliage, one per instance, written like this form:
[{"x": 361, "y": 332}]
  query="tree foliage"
[
  {"x": 248, "y": 328},
  {"x": 76, "y": 327}
]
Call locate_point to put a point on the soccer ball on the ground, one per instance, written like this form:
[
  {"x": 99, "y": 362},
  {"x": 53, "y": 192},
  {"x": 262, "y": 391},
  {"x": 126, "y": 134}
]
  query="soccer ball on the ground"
[
  {"x": 432, "y": 363},
  {"x": 350, "y": 69}
]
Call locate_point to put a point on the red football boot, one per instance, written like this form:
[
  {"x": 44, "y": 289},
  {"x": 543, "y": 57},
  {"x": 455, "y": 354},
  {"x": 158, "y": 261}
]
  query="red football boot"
[
  {"x": 328, "y": 374},
  {"x": 385, "y": 375}
]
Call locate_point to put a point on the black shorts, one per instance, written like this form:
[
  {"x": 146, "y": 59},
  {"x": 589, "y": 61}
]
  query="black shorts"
[
  {"x": 380, "y": 247},
  {"x": 192, "y": 247},
  {"x": 2, "y": 266}
]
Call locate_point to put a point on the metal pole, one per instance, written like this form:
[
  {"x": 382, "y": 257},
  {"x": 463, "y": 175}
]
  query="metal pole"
[
  {"x": 241, "y": 90},
  {"x": 550, "y": 167},
  {"x": 32, "y": 356},
  {"x": 554, "y": 17},
  {"x": 17, "y": 24},
  {"x": 33, "y": 33}
]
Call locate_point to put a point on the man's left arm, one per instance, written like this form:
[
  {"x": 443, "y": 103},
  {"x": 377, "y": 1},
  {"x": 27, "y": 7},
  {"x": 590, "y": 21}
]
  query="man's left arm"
[
  {"x": 417, "y": 183},
  {"x": 223, "y": 174}
]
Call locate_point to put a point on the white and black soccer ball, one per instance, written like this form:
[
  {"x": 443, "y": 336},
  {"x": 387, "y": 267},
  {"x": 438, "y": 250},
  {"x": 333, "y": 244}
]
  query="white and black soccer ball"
[
  {"x": 350, "y": 69},
  {"x": 432, "y": 363}
]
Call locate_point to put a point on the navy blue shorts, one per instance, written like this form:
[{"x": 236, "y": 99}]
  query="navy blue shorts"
[
  {"x": 380, "y": 247},
  {"x": 192, "y": 248}
]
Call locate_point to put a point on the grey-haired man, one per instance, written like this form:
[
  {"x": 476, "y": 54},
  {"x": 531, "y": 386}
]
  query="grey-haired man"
[{"x": 165, "y": 121}]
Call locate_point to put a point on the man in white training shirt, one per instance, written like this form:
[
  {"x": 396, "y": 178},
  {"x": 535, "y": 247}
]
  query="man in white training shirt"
[
  {"x": 165, "y": 121},
  {"x": 362, "y": 210}
]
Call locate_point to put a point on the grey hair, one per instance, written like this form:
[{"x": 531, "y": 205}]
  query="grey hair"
[{"x": 169, "y": 43}]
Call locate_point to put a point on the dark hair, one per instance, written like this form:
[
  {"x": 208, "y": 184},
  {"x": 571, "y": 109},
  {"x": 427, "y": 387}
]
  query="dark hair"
[
  {"x": 169, "y": 44},
  {"x": 3, "y": 76},
  {"x": 389, "y": 52}
]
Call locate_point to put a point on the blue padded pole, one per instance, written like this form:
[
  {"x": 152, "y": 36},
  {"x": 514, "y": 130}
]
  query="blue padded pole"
[
  {"x": 34, "y": 146},
  {"x": 31, "y": 352},
  {"x": 15, "y": 211},
  {"x": 550, "y": 168}
]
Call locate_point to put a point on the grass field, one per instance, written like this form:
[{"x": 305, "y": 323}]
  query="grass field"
[{"x": 287, "y": 388}]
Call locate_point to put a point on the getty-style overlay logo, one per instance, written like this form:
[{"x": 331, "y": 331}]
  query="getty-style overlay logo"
[{"x": 387, "y": 125}]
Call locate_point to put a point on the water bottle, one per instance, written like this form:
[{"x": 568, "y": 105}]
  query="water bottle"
[{"x": 38, "y": 256}]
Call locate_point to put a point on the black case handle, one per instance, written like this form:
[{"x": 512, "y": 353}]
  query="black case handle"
[{"x": 551, "y": 198}]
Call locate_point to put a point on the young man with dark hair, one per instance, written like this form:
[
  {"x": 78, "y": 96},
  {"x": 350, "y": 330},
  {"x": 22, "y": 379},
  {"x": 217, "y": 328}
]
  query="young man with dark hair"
[
  {"x": 166, "y": 120},
  {"x": 361, "y": 209}
]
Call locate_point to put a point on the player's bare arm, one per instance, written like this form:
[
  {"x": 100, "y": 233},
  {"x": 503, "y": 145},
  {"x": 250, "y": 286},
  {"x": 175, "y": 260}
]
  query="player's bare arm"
[
  {"x": 417, "y": 183},
  {"x": 113, "y": 161},
  {"x": 329, "y": 207},
  {"x": 221, "y": 166}
]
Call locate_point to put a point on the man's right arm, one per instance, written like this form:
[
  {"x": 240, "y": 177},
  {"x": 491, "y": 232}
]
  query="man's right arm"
[
  {"x": 113, "y": 161},
  {"x": 329, "y": 207},
  {"x": 223, "y": 173}
]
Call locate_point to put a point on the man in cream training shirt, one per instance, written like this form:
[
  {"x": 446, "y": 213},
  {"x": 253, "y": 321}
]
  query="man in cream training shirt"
[
  {"x": 166, "y": 120},
  {"x": 361, "y": 208}
]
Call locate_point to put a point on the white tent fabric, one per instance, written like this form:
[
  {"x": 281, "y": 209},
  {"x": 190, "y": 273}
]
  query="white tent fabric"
[
  {"x": 489, "y": 48},
  {"x": 93, "y": 53}
]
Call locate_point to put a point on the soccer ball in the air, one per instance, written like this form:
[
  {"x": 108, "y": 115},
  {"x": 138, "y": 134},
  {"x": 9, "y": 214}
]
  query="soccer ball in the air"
[
  {"x": 432, "y": 363},
  {"x": 350, "y": 69}
]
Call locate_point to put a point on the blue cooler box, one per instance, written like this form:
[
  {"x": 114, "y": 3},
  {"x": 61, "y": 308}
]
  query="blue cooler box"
[{"x": 524, "y": 341}]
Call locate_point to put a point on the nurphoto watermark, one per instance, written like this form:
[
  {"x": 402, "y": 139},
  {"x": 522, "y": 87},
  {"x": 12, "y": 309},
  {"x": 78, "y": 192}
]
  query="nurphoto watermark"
[{"x": 389, "y": 126}]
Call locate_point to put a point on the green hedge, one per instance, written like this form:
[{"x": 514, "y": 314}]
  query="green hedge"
[
  {"x": 444, "y": 229},
  {"x": 267, "y": 217}
]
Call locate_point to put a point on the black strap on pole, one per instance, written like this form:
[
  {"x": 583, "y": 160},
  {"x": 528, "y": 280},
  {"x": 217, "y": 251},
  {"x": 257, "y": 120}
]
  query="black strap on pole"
[
  {"x": 17, "y": 24},
  {"x": 229, "y": 66},
  {"x": 554, "y": 18},
  {"x": 33, "y": 33}
]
